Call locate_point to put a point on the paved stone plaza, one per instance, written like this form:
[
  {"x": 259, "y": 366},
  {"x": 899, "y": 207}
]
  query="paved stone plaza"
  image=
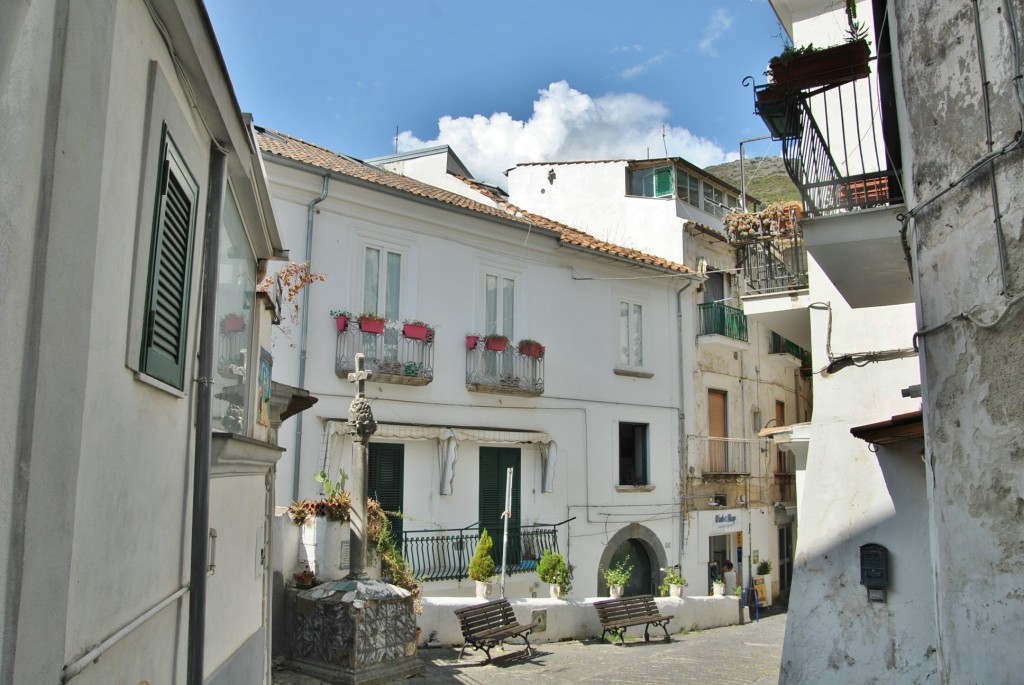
[{"x": 749, "y": 655}]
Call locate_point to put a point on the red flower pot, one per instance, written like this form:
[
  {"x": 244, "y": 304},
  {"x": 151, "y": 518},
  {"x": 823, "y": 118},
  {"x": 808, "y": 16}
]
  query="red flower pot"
[
  {"x": 371, "y": 325},
  {"x": 415, "y": 331},
  {"x": 531, "y": 349},
  {"x": 471, "y": 341},
  {"x": 342, "y": 322},
  {"x": 496, "y": 344},
  {"x": 232, "y": 324}
]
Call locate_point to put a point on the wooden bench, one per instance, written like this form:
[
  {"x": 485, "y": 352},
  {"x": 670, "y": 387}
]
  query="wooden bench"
[
  {"x": 618, "y": 614},
  {"x": 486, "y": 625}
]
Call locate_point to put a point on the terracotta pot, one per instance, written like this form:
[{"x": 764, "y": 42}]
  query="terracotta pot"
[
  {"x": 371, "y": 325},
  {"x": 414, "y": 331}
]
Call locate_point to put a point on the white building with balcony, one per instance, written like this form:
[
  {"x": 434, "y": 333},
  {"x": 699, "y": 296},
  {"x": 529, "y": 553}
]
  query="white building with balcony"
[
  {"x": 589, "y": 420},
  {"x": 740, "y": 373}
]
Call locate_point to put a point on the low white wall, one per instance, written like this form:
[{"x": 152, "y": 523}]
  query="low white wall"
[{"x": 575, "y": 619}]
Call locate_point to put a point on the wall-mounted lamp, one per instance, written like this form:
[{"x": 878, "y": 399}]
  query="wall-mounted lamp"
[{"x": 551, "y": 176}]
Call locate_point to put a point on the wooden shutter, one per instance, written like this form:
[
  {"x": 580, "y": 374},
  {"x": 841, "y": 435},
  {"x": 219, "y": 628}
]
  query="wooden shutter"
[
  {"x": 717, "y": 428},
  {"x": 385, "y": 481},
  {"x": 170, "y": 271},
  {"x": 494, "y": 461}
]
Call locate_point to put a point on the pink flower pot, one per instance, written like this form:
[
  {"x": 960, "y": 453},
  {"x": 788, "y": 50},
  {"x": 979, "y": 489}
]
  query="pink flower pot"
[
  {"x": 371, "y": 325},
  {"x": 414, "y": 331},
  {"x": 342, "y": 322},
  {"x": 471, "y": 341}
]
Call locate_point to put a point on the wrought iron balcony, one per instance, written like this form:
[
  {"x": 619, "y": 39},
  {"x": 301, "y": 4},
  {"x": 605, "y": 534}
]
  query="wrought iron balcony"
[
  {"x": 508, "y": 371},
  {"x": 784, "y": 346},
  {"x": 717, "y": 318},
  {"x": 445, "y": 554},
  {"x": 391, "y": 356},
  {"x": 722, "y": 459}
]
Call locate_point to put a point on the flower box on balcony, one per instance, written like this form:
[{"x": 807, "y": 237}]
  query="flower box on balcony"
[
  {"x": 471, "y": 341},
  {"x": 809, "y": 68},
  {"x": 232, "y": 323},
  {"x": 777, "y": 112},
  {"x": 531, "y": 348},
  {"x": 341, "y": 318},
  {"x": 415, "y": 330},
  {"x": 496, "y": 343},
  {"x": 371, "y": 324}
]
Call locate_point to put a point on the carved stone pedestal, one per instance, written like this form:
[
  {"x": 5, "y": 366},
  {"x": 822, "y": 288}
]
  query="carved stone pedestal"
[{"x": 355, "y": 632}]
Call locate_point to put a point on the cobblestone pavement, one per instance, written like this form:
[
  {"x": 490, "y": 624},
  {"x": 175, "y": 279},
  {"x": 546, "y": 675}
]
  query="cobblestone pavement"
[{"x": 736, "y": 655}]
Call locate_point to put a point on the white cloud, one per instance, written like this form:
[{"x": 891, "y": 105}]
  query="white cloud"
[
  {"x": 635, "y": 71},
  {"x": 721, "y": 21},
  {"x": 567, "y": 125}
]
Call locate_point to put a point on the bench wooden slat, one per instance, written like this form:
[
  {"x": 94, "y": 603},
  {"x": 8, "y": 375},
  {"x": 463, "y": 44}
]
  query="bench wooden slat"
[
  {"x": 486, "y": 625},
  {"x": 618, "y": 614}
]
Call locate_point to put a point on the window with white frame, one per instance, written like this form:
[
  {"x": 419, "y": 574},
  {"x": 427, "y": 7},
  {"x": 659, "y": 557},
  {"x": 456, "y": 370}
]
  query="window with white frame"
[
  {"x": 382, "y": 282},
  {"x": 688, "y": 188},
  {"x": 631, "y": 334},
  {"x": 499, "y": 304}
]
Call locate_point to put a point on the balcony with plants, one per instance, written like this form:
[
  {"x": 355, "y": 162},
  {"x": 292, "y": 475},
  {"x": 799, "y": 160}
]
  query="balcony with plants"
[
  {"x": 396, "y": 353},
  {"x": 769, "y": 247},
  {"x": 722, "y": 326},
  {"x": 495, "y": 365},
  {"x": 788, "y": 352}
]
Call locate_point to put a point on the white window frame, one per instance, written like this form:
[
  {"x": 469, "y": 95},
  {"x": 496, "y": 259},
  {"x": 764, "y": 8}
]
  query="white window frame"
[
  {"x": 384, "y": 250},
  {"x": 502, "y": 274},
  {"x": 632, "y": 329}
]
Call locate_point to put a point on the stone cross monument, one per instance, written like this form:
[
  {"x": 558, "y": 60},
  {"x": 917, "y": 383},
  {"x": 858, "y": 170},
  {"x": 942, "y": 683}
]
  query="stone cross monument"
[{"x": 361, "y": 425}]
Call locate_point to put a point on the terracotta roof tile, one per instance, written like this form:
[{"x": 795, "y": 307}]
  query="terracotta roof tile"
[{"x": 287, "y": 147}]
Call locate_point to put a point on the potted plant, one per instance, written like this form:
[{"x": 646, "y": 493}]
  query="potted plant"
[
  {"x": 496, "y": 342},
  {"x": 672, "y": 583},
  {"x": 341, "y": 318},
  {"x": 777, "y": 111},
  {"x": 717, "y": 587},
  {"x": 616, "y": 577},
  {"x": 764, "y": 572},
  {"x": 371, "y": 323},
  {"x": 481, "y": 566},
  {"x": 530, "y": 348},
  {"x": 471, "y": 340},
  {"x": 304, "y": 579},
  {"x": 415, "y": 330},
  {"x": 809, "y": 67},
  {"x": 553, "y": 570}
]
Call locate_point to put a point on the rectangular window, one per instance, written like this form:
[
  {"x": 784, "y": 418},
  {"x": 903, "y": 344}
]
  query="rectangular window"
[
  {"x": 718, "y": 431},
  {"x": 633, "y": 454},
  {"x": 714, "y": 200},
  {"x": 382, "y": 282},
  {"x": 714, "y": 287},
  {"x": 499, "y": 305},
  {"x": 688, "y": 188},
  {"x": 653, "y": 182},
  {"x": 631, "y": 336},
  {"x": 165, "y": 337},
  {"x": 385, "y": 482}
]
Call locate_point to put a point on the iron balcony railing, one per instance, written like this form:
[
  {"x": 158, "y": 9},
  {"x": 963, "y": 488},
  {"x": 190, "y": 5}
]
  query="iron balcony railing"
[
  {"x": 391, "y": 356},
  {"x": 507, "y": 371},
  {"x": 445, "y": 554},
  {"x": 837, "y": 155},
  {"x": 717, "y": 318},
  {"x": 722, "y": 457},
  {"x": 781, "y": 345},
  {"x": 774, "y": 265}
]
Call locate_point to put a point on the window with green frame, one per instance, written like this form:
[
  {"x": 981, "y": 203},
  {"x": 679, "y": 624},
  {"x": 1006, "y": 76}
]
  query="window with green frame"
[
  {"x": 651, "y": 182},
  {"x": 385, "y": 481},
  {"x": 494, "y": 465},
  {"x": 165, "y": 337}
]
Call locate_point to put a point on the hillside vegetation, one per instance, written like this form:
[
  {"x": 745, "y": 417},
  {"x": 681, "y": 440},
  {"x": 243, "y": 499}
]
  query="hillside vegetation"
[{"x": 767, "y": 179}]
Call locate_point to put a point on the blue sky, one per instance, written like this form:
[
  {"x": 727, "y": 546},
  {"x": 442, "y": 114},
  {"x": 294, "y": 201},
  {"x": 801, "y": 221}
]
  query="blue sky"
[{"x": 503, "y": 83}]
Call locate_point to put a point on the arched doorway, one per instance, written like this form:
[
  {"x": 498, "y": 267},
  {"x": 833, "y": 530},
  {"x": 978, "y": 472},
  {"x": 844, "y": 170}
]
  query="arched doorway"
[{"x": 641, "y": 548}]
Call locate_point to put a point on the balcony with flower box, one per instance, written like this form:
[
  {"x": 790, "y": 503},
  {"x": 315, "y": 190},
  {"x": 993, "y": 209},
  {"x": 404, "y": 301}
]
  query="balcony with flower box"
[
  {"x": 495, "y": 365},
  {"x": 392, "y": 355}
]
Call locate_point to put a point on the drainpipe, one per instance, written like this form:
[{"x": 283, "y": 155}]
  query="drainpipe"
[
  {"x": 204, "y": 422},
  {"x": 683, "y": 474},
  {"x": 304, "y": 328}
]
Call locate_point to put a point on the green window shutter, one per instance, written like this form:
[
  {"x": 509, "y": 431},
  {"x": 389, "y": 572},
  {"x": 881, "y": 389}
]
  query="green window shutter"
[
  {"x": 165, "y": 339},
  {"x": 663, "y": 181},
  {"x": 385, "y": 481},
  {"x": 494, "y": 461}
]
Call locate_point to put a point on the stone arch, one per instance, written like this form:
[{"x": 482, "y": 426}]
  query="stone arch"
[{"x": 648, "y": 540}]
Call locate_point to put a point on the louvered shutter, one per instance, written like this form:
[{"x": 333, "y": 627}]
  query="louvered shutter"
[
  {"x": 170, "y": 271},
  {"x": 494, "y": 461},
  {"x": 663, "y": 181},
  {"x": 385, "y": 481}
]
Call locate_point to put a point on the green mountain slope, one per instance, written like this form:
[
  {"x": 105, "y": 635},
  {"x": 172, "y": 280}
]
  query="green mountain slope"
[{"x": 767, "y": 179}]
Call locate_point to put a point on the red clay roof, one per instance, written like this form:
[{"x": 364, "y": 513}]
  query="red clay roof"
[{"x": 282, "y": 145}]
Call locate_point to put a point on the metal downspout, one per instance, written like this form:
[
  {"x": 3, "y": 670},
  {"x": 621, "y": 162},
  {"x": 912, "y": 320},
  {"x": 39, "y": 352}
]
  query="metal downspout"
[
  {"x": 303, "y": 335},
  {"x": 683, "y": 473},
  {"x": 204, "y": 422}
]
